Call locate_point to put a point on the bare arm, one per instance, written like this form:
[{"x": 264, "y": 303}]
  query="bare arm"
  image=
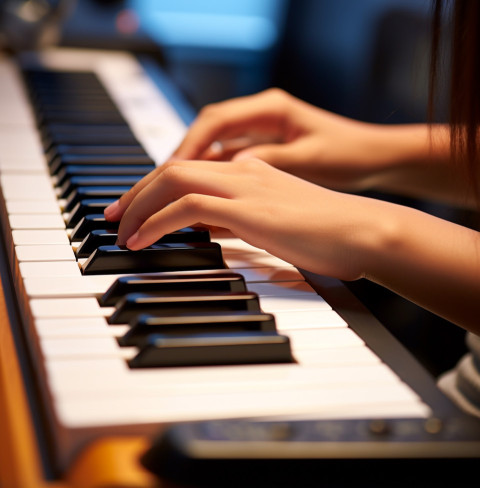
[
  {"x": 328, "y": 149},
  {"x": 427, "y": 260}
]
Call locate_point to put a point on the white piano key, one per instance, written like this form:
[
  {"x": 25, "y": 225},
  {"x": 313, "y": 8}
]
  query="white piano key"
[
  {"x": 33, "y": 207},
  {"x": 77, "y": 347},
  {"x": 407, "y": 408},
  {"x": 271, "y": 274},
  {"x": 65, "y": 327},
  {"x": 97, "y": 410},
  {"x": 26, "y": 187},
  {"x": 235, "y": 246},
  {"x": 323, "y": 338},
  {"x": 21, "y": 143},
  {"x": 42, "y": 221},
  {"x": 207, "y": 380},
  {"x": 15, "y": 108},
  {"x": 105, "y": 346},
  {"x": 283, "y": 288},
  {"x": 58, "y": 252},
  {"x": 272, "y": 304},
  {"x": 254, "y": 260},
  {"x": 68, "y": 286},
  {"x": 59, "y": 268},
  {"x": 74, "y": 369},
  {"x": 17, "y": 166},
  {"x": 67, "y": 307},
  {"x": 308, "y": 319},
  {"x": 336, "y": 356},
  {"x": 78, "y": 327},
  {"x": 34, "y": 237}
]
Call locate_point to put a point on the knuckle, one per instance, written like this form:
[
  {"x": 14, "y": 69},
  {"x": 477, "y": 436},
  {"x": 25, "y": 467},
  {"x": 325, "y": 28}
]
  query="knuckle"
[
  {"x": 209, "y": 110},
  {"x": 278, "y": 94},
  {"x": 173, "y": 172},
  {"x": 192, "y": 202},
  {"x": 252, "y": 165},
  {"x": 279, "y": 99}
]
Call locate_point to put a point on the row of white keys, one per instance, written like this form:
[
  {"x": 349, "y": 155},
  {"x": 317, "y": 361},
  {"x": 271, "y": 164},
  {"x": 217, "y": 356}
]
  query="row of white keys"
[
  {"x": 75, "y": 352},
  {"x": 341, "y": 374}
]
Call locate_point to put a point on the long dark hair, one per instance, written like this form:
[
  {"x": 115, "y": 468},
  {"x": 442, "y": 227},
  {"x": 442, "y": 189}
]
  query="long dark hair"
[{"x": 464, "y": 102}]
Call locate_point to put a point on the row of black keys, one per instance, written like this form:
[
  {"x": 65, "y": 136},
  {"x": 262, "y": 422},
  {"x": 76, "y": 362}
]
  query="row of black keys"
[{"x": 176, "y": 319}]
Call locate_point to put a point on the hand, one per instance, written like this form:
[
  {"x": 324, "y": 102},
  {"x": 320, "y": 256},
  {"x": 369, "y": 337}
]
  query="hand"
[
  {"x": 289, "y": 134},
  {"x": 425, "y": 259},
  {"x": 304, "y": 224}
]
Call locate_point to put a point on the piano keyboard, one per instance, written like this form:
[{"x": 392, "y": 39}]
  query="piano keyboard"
[{"x": 88, "y": 381}]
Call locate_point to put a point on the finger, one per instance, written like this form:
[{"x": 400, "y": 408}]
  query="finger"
[
  {"x": 278, "y": 155},
  {"x": 171, "y": 184},
  {"x": 229, "y": 120},
  {"x": 115, "y": 211},
  {"x": 184, "y": 212},
  {"x": 225, "y": 150}
]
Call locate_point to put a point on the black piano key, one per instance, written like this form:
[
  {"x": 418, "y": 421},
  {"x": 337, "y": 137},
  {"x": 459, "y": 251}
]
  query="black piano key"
[
  {"x": 57, "y": 80},
  {"x": 136, "y": 304},
  {"x": 86, "y": 129},
  {"x": 57, "y": 98},
  {"x": 103, "y": 237},
  {"x": 83, "y": 138},
  {"x": 87, "y": 207},
  {"x": 78, "y": 181},
  {"x": 95, "y": 239},
  {"x": 133, "y": 305},
  {"x": 80, "y": 116},
  {"x": 93, "y": 102},
  {"x": 85, "y": 104},
  {"x": 213, "y": 281},
  {"x": 73, "y": 149},
  {"x": 158, "y": 257},
  {"x": 90, "y": 223},
  {"x": 218, "y": 349},
  {"x": 54, "y": 105},
  {"x": 81, "y": 134},
  {"x": 92, "y": 160},
  {"x": 187, "y": 324},
  {"x": 94, "y": 193},
  {"x": 71, "y": 170}
]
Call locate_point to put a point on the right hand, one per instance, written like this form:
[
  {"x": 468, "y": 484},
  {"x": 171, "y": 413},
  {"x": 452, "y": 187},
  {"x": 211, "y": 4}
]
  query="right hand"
[{"x": 289, "y": 134}]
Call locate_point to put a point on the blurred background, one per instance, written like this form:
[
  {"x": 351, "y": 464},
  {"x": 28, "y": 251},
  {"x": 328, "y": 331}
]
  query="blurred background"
[{"x": 364, "y": 59}]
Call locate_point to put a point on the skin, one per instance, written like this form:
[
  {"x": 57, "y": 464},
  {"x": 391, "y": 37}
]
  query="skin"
[{"x": 283, "y": 190}]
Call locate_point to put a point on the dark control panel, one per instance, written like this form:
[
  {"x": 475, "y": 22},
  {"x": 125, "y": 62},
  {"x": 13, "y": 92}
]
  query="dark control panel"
[{"x": 337, "y": 453}]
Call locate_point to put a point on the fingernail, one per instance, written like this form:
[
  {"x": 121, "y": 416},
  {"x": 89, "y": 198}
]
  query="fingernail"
[
  {"x": 112, "y": 209},
  {"x": 132, "y": 240}
]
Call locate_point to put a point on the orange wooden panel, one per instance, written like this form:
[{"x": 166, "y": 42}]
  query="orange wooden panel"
[
  {"x": 107, "y": 463},
  {"x": 19, "y": 460}
]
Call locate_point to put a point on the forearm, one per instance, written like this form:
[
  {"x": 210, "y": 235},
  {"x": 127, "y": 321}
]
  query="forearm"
[
  {"x": 429, "y": 261},
  {"x": 414, "y": 160}
]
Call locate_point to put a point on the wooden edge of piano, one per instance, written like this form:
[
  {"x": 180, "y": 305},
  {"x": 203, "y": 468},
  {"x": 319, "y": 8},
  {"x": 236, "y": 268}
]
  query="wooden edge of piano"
[{"x": 111, "y": 461}]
